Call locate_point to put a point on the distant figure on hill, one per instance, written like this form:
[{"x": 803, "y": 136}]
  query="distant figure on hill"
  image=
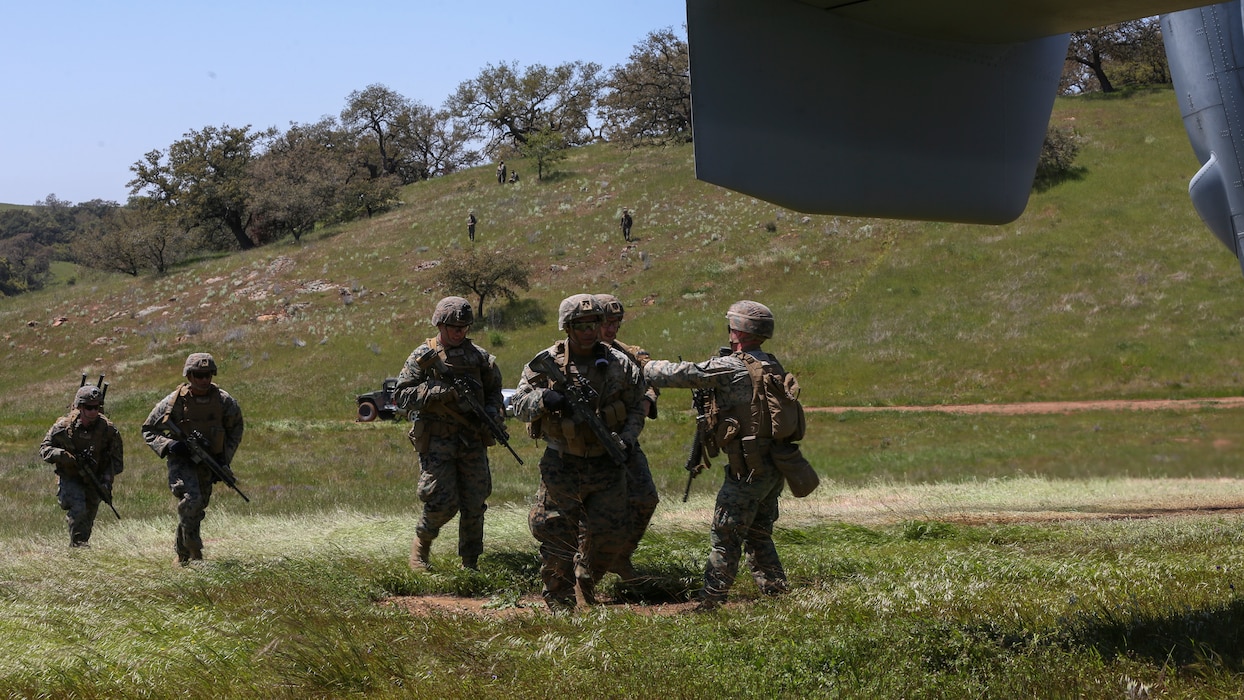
[
  {"x": 626, "y": 222},
  {"x": 501, "y": 172},
  {"x": 513, "y": 176},
  {"x": 471, "y": 226}
]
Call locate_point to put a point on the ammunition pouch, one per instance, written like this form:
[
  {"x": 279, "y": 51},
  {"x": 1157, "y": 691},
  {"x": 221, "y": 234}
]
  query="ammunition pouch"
[
  {"x": 420, "y": 436},
  {"x": 614, "y": 414},
  {"x": 709, "y": 442},
  {"x": 753, "y": 449}
]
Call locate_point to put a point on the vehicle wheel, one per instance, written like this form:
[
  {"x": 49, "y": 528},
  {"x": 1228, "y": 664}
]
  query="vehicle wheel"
[{"x": 367, "y": 412}]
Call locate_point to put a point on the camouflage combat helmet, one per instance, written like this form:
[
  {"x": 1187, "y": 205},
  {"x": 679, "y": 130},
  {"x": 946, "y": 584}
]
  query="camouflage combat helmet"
[
  {"x": 88, "y": 394},
  {"x": 453, "y": 311},
  {"x": 611, "y": 305},
  {"x": 576, "y": 307},
  {"x": 751, "y": 317},
  {"x": 199, "y": 362}
]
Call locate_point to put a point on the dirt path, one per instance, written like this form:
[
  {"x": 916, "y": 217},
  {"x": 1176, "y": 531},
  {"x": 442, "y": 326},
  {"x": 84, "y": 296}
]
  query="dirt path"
[
  {"x": 1046, "y": 406},
  {"x": 531, "y": 605}
]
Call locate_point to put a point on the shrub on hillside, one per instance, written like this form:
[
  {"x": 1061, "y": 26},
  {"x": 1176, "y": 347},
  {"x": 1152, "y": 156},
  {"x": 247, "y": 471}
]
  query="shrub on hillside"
[{"x": 1058, "y": 155}]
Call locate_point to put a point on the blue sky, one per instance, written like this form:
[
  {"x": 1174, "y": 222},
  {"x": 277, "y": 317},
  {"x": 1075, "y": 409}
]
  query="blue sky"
[{"x": 91, "y": 87}]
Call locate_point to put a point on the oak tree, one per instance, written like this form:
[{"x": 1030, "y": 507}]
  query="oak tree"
[
  {"x": 507, "y": 106},
  {"x": 649, "y": 98},
  {"x": 203, "y": 179},
  {"x": 483, "y": 276}
]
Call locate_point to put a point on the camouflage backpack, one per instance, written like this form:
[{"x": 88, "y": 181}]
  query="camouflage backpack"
[{"x": 775, "y": 400}]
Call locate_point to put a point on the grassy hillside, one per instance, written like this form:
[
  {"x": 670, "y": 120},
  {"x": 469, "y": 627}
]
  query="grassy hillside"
[{"x": 1108, "y": 286}]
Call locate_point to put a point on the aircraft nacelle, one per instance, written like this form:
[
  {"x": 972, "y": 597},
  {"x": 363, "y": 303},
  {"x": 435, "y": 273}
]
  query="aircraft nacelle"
[
  {"x": 936, "y": 111},
  {"x": 822, "y": 114}
]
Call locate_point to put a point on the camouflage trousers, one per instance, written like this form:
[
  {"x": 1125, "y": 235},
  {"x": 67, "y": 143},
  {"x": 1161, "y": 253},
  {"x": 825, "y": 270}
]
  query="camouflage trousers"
[
  {"x": 454, "y": 479},
  {"x": 641, "y": 503},
  {"x": 743, "y": 523},
  {"x": 579, "y": 519},
  {"x": 81, "y": 504},
  {"x": 192, "y": 487}
]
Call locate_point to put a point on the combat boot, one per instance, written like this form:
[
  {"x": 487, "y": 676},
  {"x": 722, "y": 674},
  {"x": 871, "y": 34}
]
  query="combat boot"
[
  {"x": 470, "y": 562},
  {"x": 624, "y": 569},
  {"x": 420, "y": 550}
]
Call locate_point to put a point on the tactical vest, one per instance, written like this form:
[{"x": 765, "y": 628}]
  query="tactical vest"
[
  {"x": 205, "y": 414},
  {"x": 560, "y": 428},
  {"x": 83, "y": 438},
  {"x": 447, "y": 418},
  {"x": 466, "y": 360}
]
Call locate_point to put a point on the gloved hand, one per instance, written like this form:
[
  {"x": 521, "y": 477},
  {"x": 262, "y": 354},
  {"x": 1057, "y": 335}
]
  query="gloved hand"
[
  {"x": 553, "y": 400},
  {"x": 630, "y": 441},
  {"x": 179, "y": 448},
  {"x": 438, "y": 392},
  {"x": 228, "y": 472},
  {"x": 107, "y": 484}
]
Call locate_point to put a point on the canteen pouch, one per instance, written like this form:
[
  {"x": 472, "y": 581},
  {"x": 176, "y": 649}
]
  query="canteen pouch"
[{"x": 800, "y": 476}]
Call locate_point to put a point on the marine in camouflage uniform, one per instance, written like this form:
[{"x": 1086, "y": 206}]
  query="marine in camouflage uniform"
[
  {"x": 84, "y": 431},
  {"x": 747, "y": 504},
  {"x": 197, "y": 405},
  {"x": 581, "y": 487},
  {"x": 454, "y": 478},
  {"x": 641, "y": 492}
]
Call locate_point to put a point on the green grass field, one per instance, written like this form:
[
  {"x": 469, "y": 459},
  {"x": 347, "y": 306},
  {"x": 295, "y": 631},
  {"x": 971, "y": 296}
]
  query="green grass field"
[{"x": 1089, "y": 554}]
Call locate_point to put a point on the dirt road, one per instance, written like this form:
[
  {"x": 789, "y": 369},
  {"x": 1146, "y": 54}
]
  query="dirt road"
[{"x": 1047, "y": 406}]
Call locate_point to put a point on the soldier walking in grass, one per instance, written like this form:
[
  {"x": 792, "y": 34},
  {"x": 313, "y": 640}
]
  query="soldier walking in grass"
[
  {"x": 568, "y": 393},
  {"x": 626, "y": 222},
  {"x": 84, "y": 440},
  {"x": 198, "y": 408},
  {"x": 454, "y": 476},
  {"x": 747, "y": 504},
  {"x": 471, "y": 221},
  {"x": 641, "y": 492},
  {"x": 501, "y": 173}
]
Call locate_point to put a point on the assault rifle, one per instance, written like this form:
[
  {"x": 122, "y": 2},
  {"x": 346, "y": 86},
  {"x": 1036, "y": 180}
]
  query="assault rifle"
[
  {"x": 87, "y": 464},
  {"x": 199, "y": 454},
  {"x": 703, "y": 445},
  {"x": 467, "y": 387},
  {"x": 697, "y": 461},
  {"x": 580, "y": 396}
]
